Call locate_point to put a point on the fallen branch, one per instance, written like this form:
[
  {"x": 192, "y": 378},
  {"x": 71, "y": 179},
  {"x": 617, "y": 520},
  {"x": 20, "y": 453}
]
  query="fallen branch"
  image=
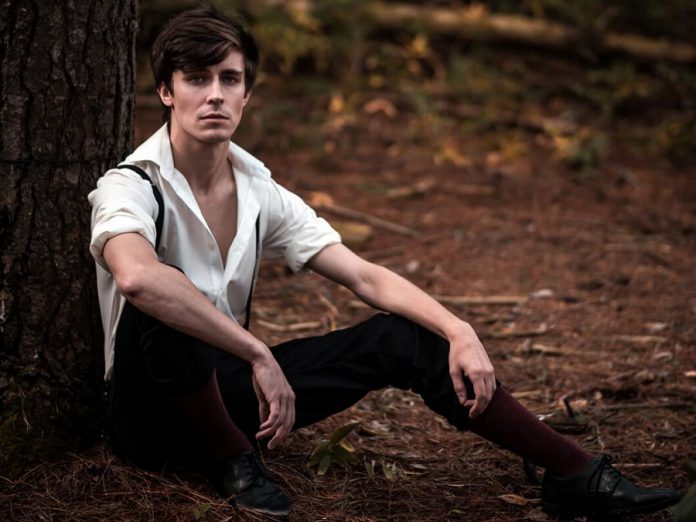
[
  {"x": 477, "y": 24},
  {"x": 646, "y": 406},
  {"x": 295, "y": 327},
  {"x": 321, "y": 201},
  {"x": 642, "y": 465},
  {"x": 528, "y": 347},
  {"x": 598, "y": 382},
  {"x": 640, "y": 339},
  {"x": 482, "y": 300},
  {"x": 471, "y": 190},
  {"x": 526, "y": 394},
  {"x": 506, "y": 334}
]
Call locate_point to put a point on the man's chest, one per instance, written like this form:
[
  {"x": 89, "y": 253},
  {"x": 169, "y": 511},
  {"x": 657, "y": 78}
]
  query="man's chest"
[{"x": 220, "y": 213}]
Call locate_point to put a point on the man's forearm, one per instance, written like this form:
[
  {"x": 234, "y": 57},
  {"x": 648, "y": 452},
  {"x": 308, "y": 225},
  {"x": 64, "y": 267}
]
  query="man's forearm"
[
  {"x": 386, "y": 290},
  {"x": 169, "y": 296},
  {"x": 166, "y": 294}
]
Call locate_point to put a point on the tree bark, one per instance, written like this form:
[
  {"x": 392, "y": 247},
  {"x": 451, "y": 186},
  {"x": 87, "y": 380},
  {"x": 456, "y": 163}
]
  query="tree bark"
[{"x": 66, "y": 111}]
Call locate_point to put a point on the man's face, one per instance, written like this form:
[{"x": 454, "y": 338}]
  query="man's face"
[{"x": 207, "y": 103}]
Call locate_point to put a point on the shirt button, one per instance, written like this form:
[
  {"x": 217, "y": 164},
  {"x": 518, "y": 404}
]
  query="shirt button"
[{"x": 211, "y": 246}]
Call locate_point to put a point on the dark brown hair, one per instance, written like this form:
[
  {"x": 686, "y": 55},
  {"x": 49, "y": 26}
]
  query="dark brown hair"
[{"x": 199, "y": 38}]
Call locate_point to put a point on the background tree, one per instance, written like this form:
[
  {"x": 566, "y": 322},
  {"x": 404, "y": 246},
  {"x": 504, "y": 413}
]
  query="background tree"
[{"x": 66, "y": 107}]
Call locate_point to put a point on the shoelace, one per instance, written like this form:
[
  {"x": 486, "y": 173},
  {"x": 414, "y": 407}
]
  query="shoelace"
[{"x": 604, "y": 467}]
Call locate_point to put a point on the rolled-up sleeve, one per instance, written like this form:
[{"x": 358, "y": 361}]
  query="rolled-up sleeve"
[
  {"x": 122, "y": 203},
  {"x": 294, "y": 230}
]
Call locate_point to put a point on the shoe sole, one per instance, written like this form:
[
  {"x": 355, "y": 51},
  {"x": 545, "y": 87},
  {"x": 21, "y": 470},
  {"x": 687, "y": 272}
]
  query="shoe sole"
[{"x": 564, "y": 512}]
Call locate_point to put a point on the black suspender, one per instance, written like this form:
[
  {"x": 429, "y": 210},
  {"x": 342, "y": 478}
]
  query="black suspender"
[
  {"x": 247, "y": 320},
  {"x": 159, "y": 222},
  {"x": 158, "y": 196}
]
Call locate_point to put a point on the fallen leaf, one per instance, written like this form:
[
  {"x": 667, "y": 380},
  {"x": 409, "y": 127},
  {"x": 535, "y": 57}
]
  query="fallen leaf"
[
  {"x": 544, "y": 293},
  {"x": 337, "y": 103},
  {"x": 353, "y": 234},
  {"x": 381, "y": 105},
  {"x": 320, "y": 199},
  {"x": 656, "y": 327},
  {"x": 451, "y": 155},
  {"x": 421, "y": 187}
]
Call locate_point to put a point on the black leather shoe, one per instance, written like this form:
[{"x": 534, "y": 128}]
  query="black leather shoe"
[
  {"x": 245, "y": 479},
  {"x": 601, "y": 491}
]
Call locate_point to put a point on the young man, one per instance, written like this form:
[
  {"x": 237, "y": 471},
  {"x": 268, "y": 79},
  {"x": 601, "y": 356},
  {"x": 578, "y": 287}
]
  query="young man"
[{"x": 176, "y": 261}]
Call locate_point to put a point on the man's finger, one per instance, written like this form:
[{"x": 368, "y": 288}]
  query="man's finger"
[
  {"x": 291, "y": 422},
  {"x": 264, "y": 410},
  {"x": 289, "y": 417},
  {"x": 271, "y": 422},
  {"x": 280, "y": 428},
  {"x": 491, "y": 388},
  {"x": 481, "y": 400},
  {"x": 459, "y": 388},
  {"x": 277, "y": 438}
]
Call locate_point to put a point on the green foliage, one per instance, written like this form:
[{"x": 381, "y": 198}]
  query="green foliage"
[
  {"x": 619, "y": 83},
  {"x": 335, "y": 449},
  {"x": 391, "y": 470},
  {"x": 325, "y": 50},
  {"x": 476, "y": 77},
  {"x": 201, "y": 512},
  {"x": 582, "y": 150},
  {"x": 285, "y": 40}
]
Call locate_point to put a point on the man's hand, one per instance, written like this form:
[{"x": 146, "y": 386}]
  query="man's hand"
[
  {"x": 468, "y": 357},
  {"x": 276, "y": 400}
]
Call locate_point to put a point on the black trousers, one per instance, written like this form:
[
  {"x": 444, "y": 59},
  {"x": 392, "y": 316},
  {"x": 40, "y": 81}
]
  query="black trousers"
[{"x": 328, "y": 373}]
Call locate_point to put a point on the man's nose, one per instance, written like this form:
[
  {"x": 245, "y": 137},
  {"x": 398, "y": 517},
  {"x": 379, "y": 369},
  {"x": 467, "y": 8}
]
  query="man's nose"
[{"x": 215, "y": 92}]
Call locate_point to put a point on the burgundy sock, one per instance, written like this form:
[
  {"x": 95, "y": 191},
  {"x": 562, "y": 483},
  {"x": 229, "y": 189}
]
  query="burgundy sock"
[
  {"x": 206, "y": 410},
  {"x": 509, "y": 424}
]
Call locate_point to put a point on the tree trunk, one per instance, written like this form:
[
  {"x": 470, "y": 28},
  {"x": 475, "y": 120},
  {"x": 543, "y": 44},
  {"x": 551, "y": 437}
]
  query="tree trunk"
[{"x": 66, "y": 111}]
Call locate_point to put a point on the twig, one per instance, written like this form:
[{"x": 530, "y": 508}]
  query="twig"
[
  {"x": 640, "y": 339},
  {"x": 481, "y": 300},
  {"x": 295, "y": 327},
  {"x": 471, "y": 190},
  {"x": 528, "y": 347},
  {"x": 328, "y": 304},
  {"x": 592, "y": 386},
  {"x": 642, "y": 465},
  {"x": 543, "y": 329},
  {"x": 367, "y": 218},
  {"x": 646, "y": 406}
]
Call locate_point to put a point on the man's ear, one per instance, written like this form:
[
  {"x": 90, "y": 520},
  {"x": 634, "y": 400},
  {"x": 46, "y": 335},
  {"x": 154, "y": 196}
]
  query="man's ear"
[
  {"x": 247, "y": 95},
  {"x": 165, "y": 95}
]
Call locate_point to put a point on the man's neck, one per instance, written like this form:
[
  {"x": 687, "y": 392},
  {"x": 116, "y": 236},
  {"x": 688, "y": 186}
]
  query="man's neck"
[{"x": 203, "y": 165}]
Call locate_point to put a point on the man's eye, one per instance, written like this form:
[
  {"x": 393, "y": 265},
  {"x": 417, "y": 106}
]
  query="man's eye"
[
  {"x": 195, "y": 79},
  {"x": 232, "y": 80}
]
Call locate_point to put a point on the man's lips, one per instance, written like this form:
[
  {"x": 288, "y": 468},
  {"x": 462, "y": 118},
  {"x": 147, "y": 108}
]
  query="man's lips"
[{"x": 215, "y": 117}]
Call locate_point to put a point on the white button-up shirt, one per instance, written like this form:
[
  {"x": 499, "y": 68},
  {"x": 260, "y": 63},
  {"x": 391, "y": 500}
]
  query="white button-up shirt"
[{"x": 123, "y": 202}]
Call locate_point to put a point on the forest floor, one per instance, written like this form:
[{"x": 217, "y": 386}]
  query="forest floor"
[{"x": 594, "y": 257}]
